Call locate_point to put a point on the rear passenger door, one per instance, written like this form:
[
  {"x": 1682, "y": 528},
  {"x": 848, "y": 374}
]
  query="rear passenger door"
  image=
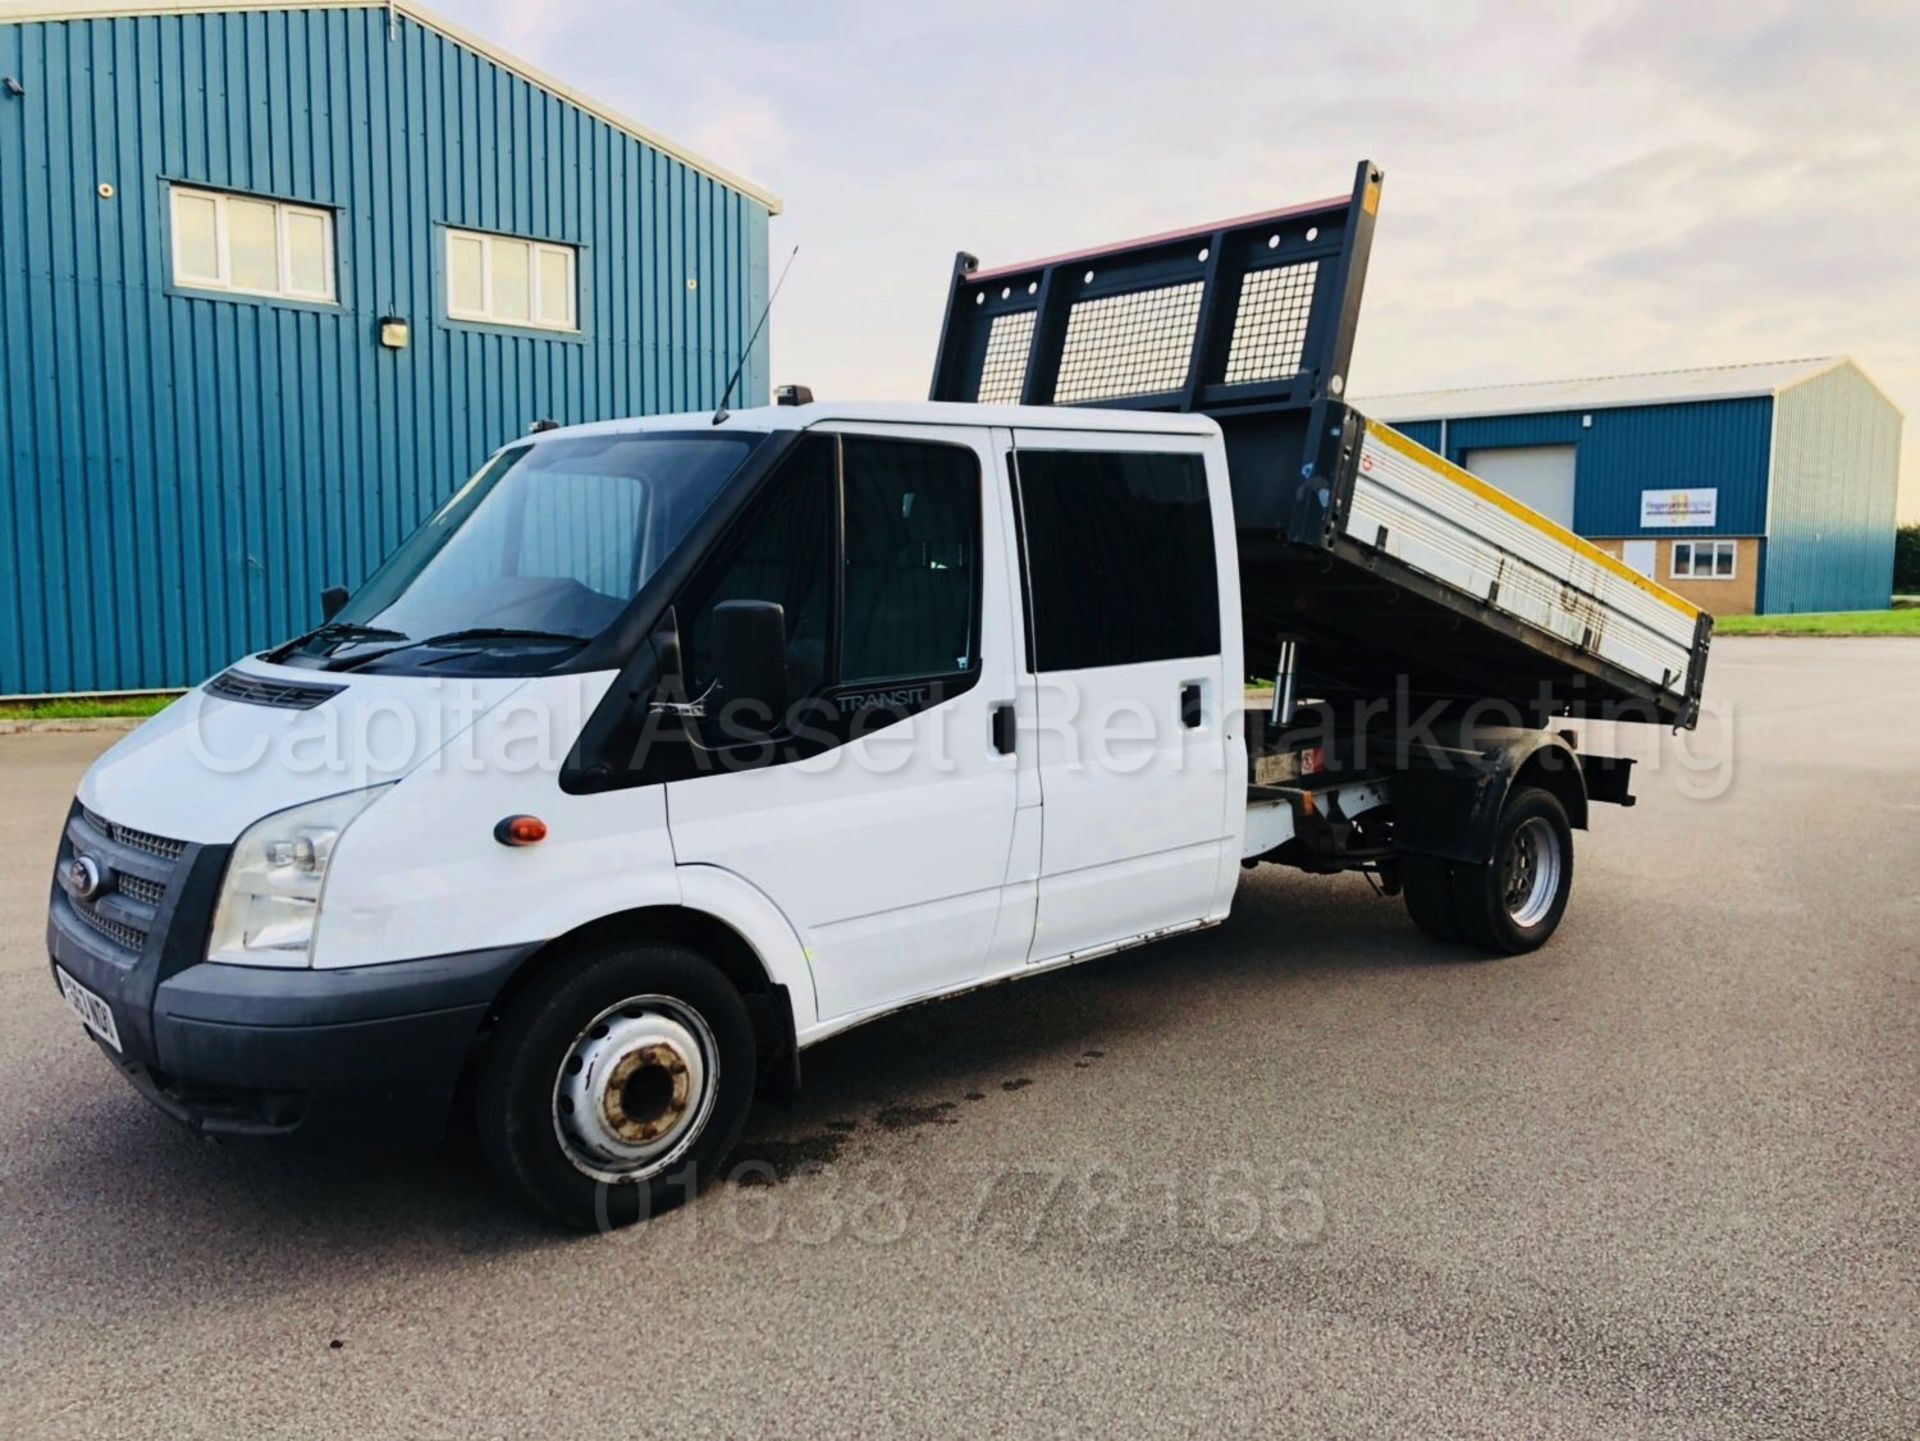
[{"x": 1132, "y": 668}]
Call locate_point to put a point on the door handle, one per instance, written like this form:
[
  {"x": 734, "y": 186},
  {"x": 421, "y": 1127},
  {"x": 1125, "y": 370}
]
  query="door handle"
[
  {"x": 1002, "y": 726},
  {"x": 1190, "y": 716}
]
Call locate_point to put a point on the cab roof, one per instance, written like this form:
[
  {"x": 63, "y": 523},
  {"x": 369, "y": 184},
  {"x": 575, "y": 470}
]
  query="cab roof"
[{"x": 907, "y": 412}]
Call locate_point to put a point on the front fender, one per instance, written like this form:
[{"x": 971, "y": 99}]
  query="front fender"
[{"x": 736, "y": 902}]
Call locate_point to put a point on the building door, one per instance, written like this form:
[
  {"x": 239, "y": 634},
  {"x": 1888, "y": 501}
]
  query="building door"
[
  {"x": 1540, "y": 476},
  {"x": 1641, "y": 555},
  {"x": 887, "y": 846},
  {"x": 1130, "y": 685}
]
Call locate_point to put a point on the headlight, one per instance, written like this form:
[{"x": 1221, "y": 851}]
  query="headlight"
[{"x": 270, "y": 899}]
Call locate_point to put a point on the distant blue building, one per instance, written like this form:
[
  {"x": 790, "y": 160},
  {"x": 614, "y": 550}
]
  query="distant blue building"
[
  {"x": 1747, "y": 488},
  {"x": 274, "y": 279}
]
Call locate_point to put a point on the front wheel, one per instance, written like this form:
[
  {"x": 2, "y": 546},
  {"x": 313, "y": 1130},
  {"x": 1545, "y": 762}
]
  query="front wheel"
[
  {"x": 617, "y": 1083},
  {"x": 1514, "y": 903}
]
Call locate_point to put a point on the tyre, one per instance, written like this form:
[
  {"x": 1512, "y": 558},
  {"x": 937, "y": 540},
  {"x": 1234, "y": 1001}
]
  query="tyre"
[
  {"x": 1514, "y": 903},
  {"x": 616, "y": 1084},
  {"x": 1427, "y": 882}
]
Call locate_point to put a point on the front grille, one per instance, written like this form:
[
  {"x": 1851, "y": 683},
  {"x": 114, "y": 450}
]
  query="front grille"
[
  {"x": 141, "y": 889},
  {"x": 264, "y": 690},
  {"x": 128, "y": 938},
  {"x": 161, "y": 846},
  {"x": 125, "y": 913}
]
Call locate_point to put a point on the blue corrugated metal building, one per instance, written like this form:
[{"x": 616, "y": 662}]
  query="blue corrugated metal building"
[
  {"x": 274, "y": 279},
  {"x": 1768, "y": 488}
]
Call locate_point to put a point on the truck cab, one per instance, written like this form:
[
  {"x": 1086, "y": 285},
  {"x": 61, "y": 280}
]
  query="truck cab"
[{"x": 662, "y": 751}]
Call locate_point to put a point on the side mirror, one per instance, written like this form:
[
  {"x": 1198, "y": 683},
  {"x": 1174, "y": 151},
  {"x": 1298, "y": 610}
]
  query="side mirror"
[
  {"x": 750, "y": 665},
  {"x": 331, "y": 599}
]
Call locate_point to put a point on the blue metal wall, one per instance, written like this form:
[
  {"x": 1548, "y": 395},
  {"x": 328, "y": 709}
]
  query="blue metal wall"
[
  {"x": 184, "y": 472},
  {"x": 1836, "y": 482},
  {"x": 1420, "y": 432},
  {"x": 1719, "y": 443}
]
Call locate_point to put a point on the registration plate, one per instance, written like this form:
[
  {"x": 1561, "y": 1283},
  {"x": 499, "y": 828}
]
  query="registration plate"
[{"x": 94, "y": 1013}]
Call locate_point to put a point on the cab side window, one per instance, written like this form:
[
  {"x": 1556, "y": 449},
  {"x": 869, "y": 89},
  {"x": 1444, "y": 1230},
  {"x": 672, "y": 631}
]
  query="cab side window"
[
  {"x": 871, "y": 547},
  {"x": 1119, "y": 553},
  {"x": 912, "y": 562},
  {"x": 784, "y": 555}
]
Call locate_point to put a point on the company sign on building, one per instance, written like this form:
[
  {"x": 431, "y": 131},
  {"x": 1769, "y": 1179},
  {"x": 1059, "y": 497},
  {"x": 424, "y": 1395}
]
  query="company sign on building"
[{"x": 1679, "y": 507}]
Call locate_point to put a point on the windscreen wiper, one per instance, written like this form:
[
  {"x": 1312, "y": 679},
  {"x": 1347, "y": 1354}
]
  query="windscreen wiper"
[
  {"x": 342, "y": 630},
  {"x": 503, "y": 632},
  {"x": 476, "y": 636}
]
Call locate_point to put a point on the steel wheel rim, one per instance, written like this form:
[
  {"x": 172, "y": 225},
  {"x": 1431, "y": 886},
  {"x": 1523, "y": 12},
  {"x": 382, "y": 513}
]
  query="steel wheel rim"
[
  {"x": 635, "y": 1088},
  {"x": 1530, "y": 872}
]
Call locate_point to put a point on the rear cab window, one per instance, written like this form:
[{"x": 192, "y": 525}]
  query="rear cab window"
[{"x": 1118, "y": 549}]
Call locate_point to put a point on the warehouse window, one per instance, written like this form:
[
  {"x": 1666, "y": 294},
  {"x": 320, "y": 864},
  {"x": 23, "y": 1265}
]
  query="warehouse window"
[
  {"x": 250, "y": 246},
  {"x": 498, "y": 280},
  {"x": 1703, "y": 559}
]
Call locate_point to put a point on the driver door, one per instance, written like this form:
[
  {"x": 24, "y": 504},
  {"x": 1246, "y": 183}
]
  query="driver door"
[{"x": 879, "y": 817}]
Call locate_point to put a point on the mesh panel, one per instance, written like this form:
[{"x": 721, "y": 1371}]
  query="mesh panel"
[
  {"x": 1270, "y": 329},
  {"x": 1137, "y": 344},
  {"x": 122, "y": 935},
  {"x": 1005, "y": 368},
  {"x": 162, "y": 846},
  {"x": 140, "y": 888},
  {"x": 153, "y": 845}
]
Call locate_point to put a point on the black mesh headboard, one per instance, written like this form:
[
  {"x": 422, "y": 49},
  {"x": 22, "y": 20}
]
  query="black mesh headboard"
[{"x": 1249, "y": 320}]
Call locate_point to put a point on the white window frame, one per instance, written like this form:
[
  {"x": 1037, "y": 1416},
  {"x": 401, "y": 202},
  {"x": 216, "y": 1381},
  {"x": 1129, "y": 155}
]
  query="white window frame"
[
  {"x": 1715, "y": 548},
  {"x": 535, "y": 249},
  {"x": 222, "y": 282}
]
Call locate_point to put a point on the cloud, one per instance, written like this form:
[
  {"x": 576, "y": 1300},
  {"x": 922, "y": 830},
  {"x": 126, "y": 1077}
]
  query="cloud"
[{"x": 1630, "y": 185}]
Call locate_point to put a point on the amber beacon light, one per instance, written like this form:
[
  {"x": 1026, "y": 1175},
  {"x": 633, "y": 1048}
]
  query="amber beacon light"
[{"x": 520, "y": 831}]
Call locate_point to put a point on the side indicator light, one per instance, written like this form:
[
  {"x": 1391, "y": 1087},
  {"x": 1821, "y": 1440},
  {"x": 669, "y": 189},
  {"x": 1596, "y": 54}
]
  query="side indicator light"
[{"x": 520, "y": 831}]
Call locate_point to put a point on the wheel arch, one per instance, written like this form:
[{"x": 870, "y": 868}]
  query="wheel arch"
[
  {"x": 1556, "y": 770},
  {"x": 776, "y": 1007},
  {"x": 1448, "y": 803}
]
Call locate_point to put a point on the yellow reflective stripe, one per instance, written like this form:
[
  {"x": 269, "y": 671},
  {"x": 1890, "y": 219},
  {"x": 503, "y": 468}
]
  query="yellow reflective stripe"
[{"x": 1473, "y": 484}]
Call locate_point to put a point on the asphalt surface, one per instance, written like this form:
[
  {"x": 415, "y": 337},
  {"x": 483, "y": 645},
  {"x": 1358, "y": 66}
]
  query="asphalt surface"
[{"x": 1295, "y": 1176}]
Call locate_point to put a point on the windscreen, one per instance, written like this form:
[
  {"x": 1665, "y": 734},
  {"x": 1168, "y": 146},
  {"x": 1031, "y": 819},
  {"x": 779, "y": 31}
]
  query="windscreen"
[{"x": 549, "y": 539}]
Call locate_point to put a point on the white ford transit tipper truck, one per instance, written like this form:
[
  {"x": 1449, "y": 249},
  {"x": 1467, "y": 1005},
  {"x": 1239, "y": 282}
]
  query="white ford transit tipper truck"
[{"x": 669, "y": 747}]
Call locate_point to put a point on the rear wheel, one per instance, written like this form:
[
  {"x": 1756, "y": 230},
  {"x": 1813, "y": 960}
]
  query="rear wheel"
[
  {"x": 1514, "y": 903},
  {"x": 616, "y": 1084}
]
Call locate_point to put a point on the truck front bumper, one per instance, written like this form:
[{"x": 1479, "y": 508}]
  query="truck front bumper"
[{"x": 372, "y": 1053}]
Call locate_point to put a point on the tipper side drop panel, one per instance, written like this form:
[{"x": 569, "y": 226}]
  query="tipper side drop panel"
[{"x": 1395, "y": 574}]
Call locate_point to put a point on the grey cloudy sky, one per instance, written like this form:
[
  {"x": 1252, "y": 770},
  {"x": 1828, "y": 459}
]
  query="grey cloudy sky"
[{"x": 1571, "y": 190}]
